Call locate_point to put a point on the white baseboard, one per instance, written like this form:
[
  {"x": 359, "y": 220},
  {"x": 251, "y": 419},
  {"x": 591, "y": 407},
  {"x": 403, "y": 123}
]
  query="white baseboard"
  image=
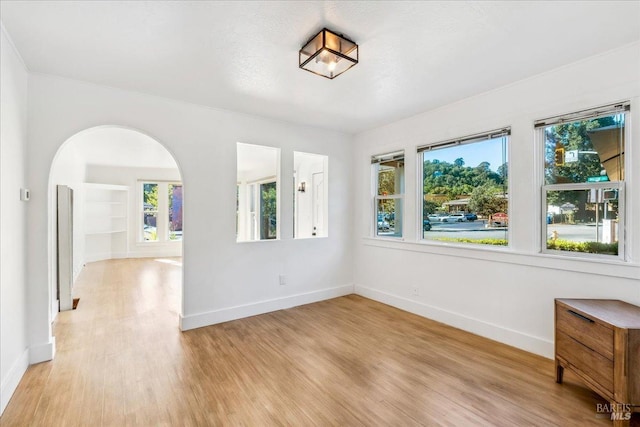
[
  {"x": 42, "y": 352},
  {"x": 498, "y": 333},
  {"x": 12, "y": 379},
  {"x": 97, "y": 257},
  {"x": 124, "y": 255},
  {"x": 232, "y": 313},
  {"x": 155, "y": 254}
]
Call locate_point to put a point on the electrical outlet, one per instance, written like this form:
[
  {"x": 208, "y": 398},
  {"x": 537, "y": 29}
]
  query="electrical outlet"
[
  {"x": 415, "y": 291},
  {"x": 283, "y": 280}
]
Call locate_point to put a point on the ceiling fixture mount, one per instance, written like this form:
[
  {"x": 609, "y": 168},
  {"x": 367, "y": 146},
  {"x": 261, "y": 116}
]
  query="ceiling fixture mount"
[{"x": 328, "y": 54}]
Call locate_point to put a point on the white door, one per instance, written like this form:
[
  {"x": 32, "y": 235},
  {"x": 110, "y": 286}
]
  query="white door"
[{"x": 318, "y": 204}]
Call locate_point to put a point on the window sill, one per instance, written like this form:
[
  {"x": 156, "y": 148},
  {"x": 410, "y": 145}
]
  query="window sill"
[
  {"x": 386, "y": 238},
  {"x": 258, "y": 241},
  {"x": 597, "y": 266}
]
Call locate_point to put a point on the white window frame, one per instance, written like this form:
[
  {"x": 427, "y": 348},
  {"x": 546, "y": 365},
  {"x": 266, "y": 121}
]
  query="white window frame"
[
  {"x": 253, "y": 199},
  {"x": 618, "y": 185},
  {"x": 469, "y": 139},
  {"x": 540, "y": 125},
  {"x": 375, "y": 162}
]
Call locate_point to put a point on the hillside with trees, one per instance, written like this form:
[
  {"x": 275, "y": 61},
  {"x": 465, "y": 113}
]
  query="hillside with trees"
[{"x": 485, "y": 187}]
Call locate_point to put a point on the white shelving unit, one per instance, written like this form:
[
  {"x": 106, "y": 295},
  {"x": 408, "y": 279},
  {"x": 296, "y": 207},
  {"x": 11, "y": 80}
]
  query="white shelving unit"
[{"x": 105, "y": 221}]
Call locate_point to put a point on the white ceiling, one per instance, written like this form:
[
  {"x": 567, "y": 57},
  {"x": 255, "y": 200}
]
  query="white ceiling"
[{"x": 242, "y": 56}]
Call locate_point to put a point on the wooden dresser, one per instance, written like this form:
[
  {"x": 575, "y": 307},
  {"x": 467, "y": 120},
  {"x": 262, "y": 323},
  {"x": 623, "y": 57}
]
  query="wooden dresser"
[{"x": 599, "y": 340}]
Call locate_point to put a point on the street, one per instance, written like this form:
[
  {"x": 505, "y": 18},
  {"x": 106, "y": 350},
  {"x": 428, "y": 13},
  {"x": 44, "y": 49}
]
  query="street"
[
  {"x": 477, "y": 230},
  {"x": 464, "y": 230}
]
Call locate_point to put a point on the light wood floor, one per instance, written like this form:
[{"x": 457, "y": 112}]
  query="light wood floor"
[{"x": 349, "y": 361}]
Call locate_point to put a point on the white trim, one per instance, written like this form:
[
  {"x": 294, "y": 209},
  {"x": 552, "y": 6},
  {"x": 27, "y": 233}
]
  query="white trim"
[
  {"x": 469, "y": 139},
  {"x": 620, "y": 107},
  {"x": 504, "y": 255},
  {"x": 55, "y": 308},
  {"x": 420, "y": 188},
  {"x": 107, "y": 255},
  {"x": 618, "y": 185},
  {"x": 42, "y": 352},
  {"x": 492, "y": 331},
  {"x": 624, "y": 213},
  {"x": 241, "y": 311},
  {"x": 12, "y": 379}
]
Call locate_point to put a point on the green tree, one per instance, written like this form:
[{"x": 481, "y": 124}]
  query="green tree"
[
  {"x": 503, "y": 172},
  {"x": 268, "y": 195},
  {"x": 150, "y": 196},
  {"x": 456, "y": 179},
  {"x": 429, "y": 207},
  {"x": 572, "y": 136},
  {"x": 485, "y": 200},
  {"x": 387, "y": 185}
]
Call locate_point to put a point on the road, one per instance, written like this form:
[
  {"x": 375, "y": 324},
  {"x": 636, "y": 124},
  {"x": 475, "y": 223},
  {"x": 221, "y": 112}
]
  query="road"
[
  {"x": 465, "y": 230},
  {"x": 477, "y": 230}
]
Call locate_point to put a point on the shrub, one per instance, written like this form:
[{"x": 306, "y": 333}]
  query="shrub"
[
  {"x": 587, "y": 247},
  {"x": 496, "y": 242}
]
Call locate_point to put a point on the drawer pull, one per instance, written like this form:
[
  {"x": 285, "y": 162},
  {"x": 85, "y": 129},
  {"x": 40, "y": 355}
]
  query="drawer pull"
[{"x": 581, "y": 316}]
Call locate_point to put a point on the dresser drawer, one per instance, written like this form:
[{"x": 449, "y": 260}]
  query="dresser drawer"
[
  {"x": 585, "y": 329},
  {"x": 594, "y": 365}
]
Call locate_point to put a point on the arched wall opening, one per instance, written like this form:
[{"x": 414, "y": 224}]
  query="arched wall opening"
[{"x": 125, "y": 196}]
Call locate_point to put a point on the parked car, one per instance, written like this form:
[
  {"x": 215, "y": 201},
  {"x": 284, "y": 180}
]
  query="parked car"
[
  {"x": 471, "y": 216},
  {"x": 454, "y": 217},
  {"x": 383, "y": 224},
  {"x": 499, "y": 219},
  {"x": 435, "y": 217},
  {"x": 426, "y": 225}
]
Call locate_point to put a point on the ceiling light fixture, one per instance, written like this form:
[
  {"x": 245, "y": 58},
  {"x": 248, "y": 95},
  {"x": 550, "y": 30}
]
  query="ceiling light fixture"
[{"x": 328, "y": 54}]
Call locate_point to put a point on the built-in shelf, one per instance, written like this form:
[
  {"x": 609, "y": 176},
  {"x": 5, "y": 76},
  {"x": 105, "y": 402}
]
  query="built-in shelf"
[{"x": 106, "y": 221}]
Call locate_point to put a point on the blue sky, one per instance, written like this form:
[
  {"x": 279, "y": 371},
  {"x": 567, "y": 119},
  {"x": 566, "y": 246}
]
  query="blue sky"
[{"x": 473, "y": 154}]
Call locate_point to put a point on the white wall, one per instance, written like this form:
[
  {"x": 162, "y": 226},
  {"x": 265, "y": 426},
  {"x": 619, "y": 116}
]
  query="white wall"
[
  {"x": 506, "y": 295},
  {"x": 14, "y": 355},
  {"x": 131, "y": 177},
  {"x": 222, "y": 279}
]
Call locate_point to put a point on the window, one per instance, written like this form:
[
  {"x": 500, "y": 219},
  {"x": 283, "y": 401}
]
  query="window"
[
  {"x": 268, "y": 210},
  {"x": 175, "y": 211},
  {"x": 583, "y": 190},
  {"x": 465, "y": 194},
  {"x": 257, "y": 192},
  {"x": 388, "y": 178},
  {"x": 150, "y": 212},
  {"x": 161, "y": 212}
]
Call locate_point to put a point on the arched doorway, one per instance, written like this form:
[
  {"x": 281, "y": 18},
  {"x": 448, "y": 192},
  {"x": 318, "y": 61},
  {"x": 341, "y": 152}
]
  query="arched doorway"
[{"x": 115, "y": 195}]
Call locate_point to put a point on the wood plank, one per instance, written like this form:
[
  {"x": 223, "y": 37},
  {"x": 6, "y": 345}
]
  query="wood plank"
[{"x": 348, "y": 361}]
